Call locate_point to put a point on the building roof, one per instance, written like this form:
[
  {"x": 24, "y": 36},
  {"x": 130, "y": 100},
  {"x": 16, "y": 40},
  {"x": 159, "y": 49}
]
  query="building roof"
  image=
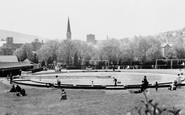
[
  {"x": 8, "y": 58},
  {"x": 28, "y": 61},
  {"x": 15, "y": 65},
  {"x": 165, "y": 44}
]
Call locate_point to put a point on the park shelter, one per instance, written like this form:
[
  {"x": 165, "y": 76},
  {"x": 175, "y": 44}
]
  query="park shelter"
[{"x": 9, "y": 65}]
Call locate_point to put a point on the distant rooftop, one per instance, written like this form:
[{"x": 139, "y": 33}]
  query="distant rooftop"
[
  {"x": 8, "y": 58},
  {"x": 165, "y": 44},
  {"x": 2, "y": 42}
]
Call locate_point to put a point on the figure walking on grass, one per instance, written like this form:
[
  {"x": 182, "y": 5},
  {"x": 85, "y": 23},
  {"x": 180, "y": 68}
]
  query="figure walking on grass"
[{"x": 156, "y": 86}]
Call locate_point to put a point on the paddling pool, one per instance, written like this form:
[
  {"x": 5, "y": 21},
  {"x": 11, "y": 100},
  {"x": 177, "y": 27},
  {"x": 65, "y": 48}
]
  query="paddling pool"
[{"x": 103, "y": 78}]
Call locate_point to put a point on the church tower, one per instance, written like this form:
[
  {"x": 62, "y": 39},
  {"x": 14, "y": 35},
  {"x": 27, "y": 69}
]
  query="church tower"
[{"x": 68, "y": 35}]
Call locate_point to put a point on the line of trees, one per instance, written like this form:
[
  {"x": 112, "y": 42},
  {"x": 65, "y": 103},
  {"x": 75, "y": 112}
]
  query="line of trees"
[{"x": 136, "y": 51}]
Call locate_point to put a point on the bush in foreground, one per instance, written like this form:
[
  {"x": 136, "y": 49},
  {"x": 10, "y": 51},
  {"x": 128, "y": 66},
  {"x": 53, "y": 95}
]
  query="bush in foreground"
[{"x": 152, "y": 108}]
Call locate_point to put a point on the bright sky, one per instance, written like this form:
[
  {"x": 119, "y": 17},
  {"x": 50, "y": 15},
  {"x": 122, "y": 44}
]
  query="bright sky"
[{"x": 115, "y": 18}]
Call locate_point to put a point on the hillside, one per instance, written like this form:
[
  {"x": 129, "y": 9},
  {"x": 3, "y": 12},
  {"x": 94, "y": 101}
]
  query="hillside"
[
  {"x": 172, "y": 36},
  {"x": 19, "y": 37}
]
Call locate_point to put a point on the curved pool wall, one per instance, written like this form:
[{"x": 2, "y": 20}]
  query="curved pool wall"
[
  {"x": 128, "y": 79},
  {"x": 73, "y": 86}
]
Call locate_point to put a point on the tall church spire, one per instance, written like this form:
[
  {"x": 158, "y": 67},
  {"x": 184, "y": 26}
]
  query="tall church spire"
[{"x": 68, "y": 35}]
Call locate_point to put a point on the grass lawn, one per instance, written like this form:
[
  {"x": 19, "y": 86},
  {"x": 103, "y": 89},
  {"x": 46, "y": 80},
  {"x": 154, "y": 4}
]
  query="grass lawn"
[{"x": 45, "y": 101}]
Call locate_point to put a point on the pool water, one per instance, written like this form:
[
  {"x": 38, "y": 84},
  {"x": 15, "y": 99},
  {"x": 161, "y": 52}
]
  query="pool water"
[{"x": 105, "y": 78}]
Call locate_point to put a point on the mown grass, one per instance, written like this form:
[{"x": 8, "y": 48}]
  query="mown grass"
[
  {"x": 84, "y": 102},
  {"x": 45, "y": 101}
]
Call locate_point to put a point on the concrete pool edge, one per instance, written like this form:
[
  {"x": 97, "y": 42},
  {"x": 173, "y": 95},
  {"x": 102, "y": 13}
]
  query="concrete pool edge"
[{"x": 72, "y": 86}]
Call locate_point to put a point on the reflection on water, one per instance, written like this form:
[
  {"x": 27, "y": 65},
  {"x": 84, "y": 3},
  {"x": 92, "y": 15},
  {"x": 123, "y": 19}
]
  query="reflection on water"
[{"x": 106, "y": 78}]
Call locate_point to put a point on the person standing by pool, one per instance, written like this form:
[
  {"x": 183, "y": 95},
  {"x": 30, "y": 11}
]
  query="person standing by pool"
[
  {"x": 144, "y": 85},
  {"x": 113, "y": 67},
  {"x": 179, "y": 80},
  {"x": 58, "y": 81},
  {"x": 118, "y": 68},
  {"x": 156, "y": 86},
  {"x": 92, "y": 83},
  {"x": 145, "y": 82},
  {"x": 115, "y": 81},
  {"x": 11, "y": 77}
]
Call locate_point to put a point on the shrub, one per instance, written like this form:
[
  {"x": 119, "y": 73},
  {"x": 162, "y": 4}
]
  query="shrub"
[{"x": 152, "y": 108}]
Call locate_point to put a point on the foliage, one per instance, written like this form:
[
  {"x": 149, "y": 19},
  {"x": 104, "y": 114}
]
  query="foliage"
[
  {"x": 153, "y": 53},
  {"x": 126, "y": 51},
  {"x": 87, "y": 51},
  {"x": 48, "y": 52},
  {"x": 20, "y": 55},
  {"x": 6, "y": 51},
  {"x": 180, "y": 49},
  {"x": 143, "y": 50},
  {"x": 1, "y": 51},
  {"x": 35, "y": 59},
  {"x": 171, "y": 54},
  {"x": 110, "y": 50},
  {"x": 152, "y": 108},
  {"x": 66, "y": 51},
  {"x": 24, "y": 52},
  {"x": 76, "y": 60}
]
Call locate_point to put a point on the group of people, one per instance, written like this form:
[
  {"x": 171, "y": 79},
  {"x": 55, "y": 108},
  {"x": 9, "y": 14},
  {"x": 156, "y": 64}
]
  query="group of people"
[
  {"x": 114, "y": 67},
  {"x": 19, "y": 91},
  {"x": 173, "y": 86},
  {"x": 177, "y": 83},
  {"x": 144, "y": 86}
]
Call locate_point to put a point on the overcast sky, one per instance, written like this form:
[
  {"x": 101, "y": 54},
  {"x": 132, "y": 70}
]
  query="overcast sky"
[{"x": 115, "y": 18}]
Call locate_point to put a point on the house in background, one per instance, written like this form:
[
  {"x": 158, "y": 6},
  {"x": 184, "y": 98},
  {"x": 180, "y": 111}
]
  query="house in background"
[
  {"x": 91, "y": 39},
  {"x": 11, "y": 45},
  {"x": 165, "y": 48},
  {"x": 36, "y": 44}
]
